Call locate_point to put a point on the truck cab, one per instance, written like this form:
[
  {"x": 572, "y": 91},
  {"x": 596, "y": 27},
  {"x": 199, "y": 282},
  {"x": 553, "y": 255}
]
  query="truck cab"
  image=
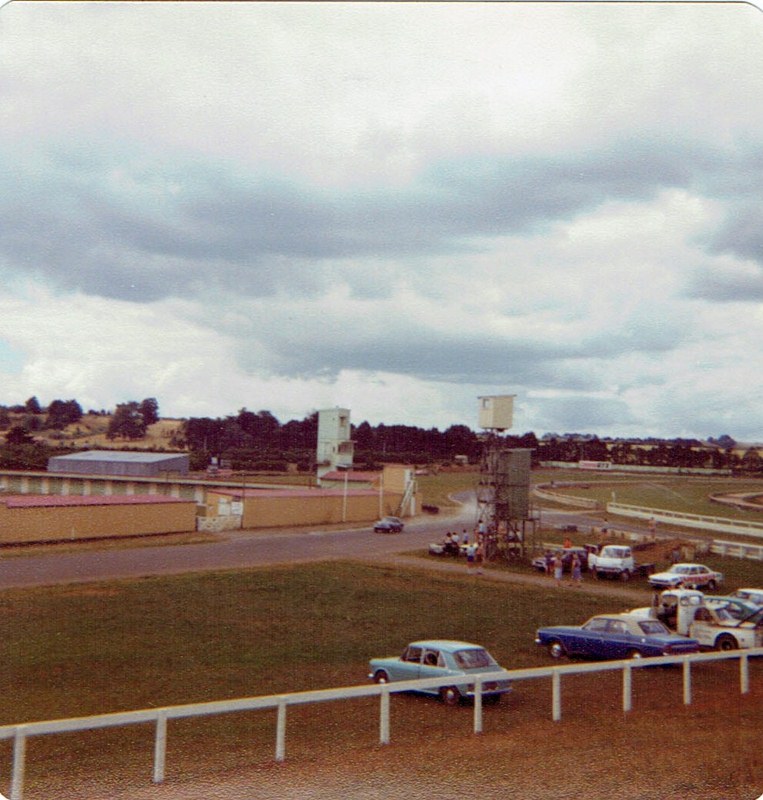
[{"x": 714, "y": 627}]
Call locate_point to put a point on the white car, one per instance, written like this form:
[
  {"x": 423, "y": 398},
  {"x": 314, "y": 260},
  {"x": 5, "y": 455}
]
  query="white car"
[
  {"x": 691, "y": 576},
  {"x": 751, "y": 595}
]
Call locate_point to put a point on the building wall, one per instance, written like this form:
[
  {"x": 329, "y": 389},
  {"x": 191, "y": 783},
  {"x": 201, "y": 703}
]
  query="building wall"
[
  {"x": 316, "y": 507},
  {"x": 45, "y": 523}
]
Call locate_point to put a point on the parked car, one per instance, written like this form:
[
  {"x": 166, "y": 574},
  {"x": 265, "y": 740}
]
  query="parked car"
[
  {"x": 445, "y": 658},
  {"x": 752, "y": 595},
  {"x": 692, "y": 576},
  {"x": 614, "y": 636},
  {"x": 389, "y": 525},
  {"x": 737, "y": 607}
]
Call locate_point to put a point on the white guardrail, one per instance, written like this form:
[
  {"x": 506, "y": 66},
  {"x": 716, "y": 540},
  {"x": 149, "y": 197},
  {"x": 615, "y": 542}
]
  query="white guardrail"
[
  {"x": 683, "y": 519},
  {"x": 160, "y": 716}
]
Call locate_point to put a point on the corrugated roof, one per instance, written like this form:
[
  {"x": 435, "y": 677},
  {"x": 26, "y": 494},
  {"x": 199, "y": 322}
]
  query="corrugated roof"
[
  {"x": 60, "y": 501},
  {"x": 123, "y": 456}
]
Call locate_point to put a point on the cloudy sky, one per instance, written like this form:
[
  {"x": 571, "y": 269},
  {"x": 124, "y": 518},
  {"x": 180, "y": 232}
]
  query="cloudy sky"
[{"x": 393, "y": 208}]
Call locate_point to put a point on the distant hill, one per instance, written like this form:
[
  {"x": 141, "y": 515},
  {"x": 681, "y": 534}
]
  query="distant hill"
[{"x": 90, "y": 433}]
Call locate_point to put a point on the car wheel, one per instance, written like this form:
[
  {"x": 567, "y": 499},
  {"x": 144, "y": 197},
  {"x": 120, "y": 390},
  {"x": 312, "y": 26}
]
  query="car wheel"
[
  {"x": 712, "y": 585},
  {"x": 450, "y": 695},
  {"x": 556, "y": 649},
  {"x": 635, "y": 654},
  {"x": 381, "y": 676},
  {"x": 726, "y": 642}
]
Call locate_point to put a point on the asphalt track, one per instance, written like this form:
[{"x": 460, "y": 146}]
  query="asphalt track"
[{"x": 235, "y": 550}]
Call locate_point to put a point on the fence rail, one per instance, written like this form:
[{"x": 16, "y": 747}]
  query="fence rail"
[
  {"x": 20, "y": 733},
  {"x": 686, "y": 520}
]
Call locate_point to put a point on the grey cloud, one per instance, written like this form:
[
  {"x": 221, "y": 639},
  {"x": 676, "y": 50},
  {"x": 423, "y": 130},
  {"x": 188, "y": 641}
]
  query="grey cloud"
[
  {"x": 173, "y": 226},
  {"x": 583, "y": 413},
  {"x": 727, "y": 286}
]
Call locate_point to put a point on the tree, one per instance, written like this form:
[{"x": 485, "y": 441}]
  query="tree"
[
  {"x": 149, "y": 408},
  {"x": 127, "y": 422},
  {"x": 17, "y": 435},
  {"x": 32, "y": 406},
  {"x": 62, "y": 413}
]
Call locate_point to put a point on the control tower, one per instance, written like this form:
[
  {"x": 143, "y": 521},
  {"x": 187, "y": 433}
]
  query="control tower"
[{"x": 335, "y": 447}]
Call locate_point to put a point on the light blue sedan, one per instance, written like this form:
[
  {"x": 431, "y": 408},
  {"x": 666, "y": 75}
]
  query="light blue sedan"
[{"x": 442, "y": 658}]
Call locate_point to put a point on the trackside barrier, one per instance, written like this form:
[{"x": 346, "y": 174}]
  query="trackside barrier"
[{"x": 160, "y": 716}]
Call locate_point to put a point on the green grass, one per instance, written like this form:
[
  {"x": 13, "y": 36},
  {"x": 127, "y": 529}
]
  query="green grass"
[
  {"x": 684, "y": 494},
  {"x": 202, "y": 637},
  {"x": 82, "y": 650}
]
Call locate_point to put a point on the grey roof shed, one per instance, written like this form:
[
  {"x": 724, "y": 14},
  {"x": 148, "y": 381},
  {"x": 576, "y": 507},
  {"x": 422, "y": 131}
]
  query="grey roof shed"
[{"x": 119, "y": 462}]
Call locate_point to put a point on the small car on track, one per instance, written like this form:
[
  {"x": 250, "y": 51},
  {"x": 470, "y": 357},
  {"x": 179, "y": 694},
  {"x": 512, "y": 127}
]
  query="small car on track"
[
  {"x": 389, "y": 525},
  {"x": 458, "y": 662},
  {"x": 614, "y": 636}
]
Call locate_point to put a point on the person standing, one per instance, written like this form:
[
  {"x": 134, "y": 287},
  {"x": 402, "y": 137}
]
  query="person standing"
[
  {"x": 577, "y": 570},
  {"x": 471, "y": 555},
  {"x": 558, "y": 568}
]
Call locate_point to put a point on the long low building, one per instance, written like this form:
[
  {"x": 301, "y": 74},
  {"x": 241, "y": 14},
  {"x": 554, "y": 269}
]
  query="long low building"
[
  {"x": 120, "y": 462},
  {"x": 53, "y": 518}
]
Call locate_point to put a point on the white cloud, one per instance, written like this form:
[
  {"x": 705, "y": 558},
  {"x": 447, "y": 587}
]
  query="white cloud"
[{"x": 393, "y": 207}]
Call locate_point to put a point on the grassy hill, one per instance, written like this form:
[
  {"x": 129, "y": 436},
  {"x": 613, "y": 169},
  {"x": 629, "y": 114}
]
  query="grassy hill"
[{"x": 90, "y": 432}]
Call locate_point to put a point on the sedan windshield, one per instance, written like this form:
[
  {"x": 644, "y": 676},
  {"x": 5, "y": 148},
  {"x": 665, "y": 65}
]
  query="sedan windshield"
[{"x": 473, "y": 659}]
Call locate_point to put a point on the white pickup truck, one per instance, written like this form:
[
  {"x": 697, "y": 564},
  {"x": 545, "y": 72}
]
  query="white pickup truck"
[
  {"x": 712, "y": 625},
  {"x": 613, "y": 560}
]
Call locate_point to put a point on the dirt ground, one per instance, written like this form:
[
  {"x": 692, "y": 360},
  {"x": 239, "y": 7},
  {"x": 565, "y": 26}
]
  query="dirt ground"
[{"x": 661, "y": 750}]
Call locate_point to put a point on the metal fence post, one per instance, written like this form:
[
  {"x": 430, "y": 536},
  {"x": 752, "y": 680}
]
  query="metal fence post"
[
  {"x": 744, "y": 673},
  {"x": 556, "y": 692},
  {"x": 384, "y": 715},
  {"x": 281, "y": 731},
  {"x": 687, "y": 683},
  {"x": 627, "y": 688},
  {"x": 160, "y": 747},
  {"x": 19, "y": 759},
  {"x": 478, "y": 706}
]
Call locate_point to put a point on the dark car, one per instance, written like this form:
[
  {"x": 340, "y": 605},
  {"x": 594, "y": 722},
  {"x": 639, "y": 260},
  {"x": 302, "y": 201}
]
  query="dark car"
[
  {"x": 389, "y": 525},
  {"x": 614, "y": 636}
]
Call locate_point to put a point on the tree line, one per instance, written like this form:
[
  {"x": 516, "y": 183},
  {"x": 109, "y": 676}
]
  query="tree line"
[{"x": 251, "y": 440}]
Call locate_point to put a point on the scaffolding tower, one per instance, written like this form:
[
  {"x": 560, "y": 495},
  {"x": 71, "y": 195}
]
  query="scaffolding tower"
[{"x": 503, "y": 499}]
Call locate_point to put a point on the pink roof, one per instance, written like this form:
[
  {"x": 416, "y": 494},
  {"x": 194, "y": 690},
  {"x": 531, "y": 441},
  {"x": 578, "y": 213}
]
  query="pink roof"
[
  {"x": 296, "y": 492},
  {"x": 70, "y": 500},
  {"x": 352, "y": 475}
]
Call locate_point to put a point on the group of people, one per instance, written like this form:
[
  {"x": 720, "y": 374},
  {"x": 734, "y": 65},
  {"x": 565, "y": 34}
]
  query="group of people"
[
  {"x": 455, "y": 544},
  {"x": 555, "y": 567}
]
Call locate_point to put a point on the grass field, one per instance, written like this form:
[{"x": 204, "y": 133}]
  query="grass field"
[{"x": 83, "y": 650}]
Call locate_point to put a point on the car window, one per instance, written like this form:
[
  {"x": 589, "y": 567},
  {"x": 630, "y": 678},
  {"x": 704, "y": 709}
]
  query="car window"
[
  {"x": 433, "y": 658},
  {"x": 473, "y": 658},
  {"x": 617, "y": 626},
  {"x": 652, "y": 627},
  {"x": 412, "y": 653},
  {"x": 595, "y": 624}
]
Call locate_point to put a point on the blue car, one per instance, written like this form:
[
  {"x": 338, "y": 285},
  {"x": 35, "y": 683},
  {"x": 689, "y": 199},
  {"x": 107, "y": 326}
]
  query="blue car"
[
  {"x": 614, "y": 636},
  {"x": 442, "y": 658}
]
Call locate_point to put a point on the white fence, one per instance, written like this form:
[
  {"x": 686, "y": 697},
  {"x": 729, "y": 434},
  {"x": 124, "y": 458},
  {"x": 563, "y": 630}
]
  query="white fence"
[
  {"x": 723, "y": 524},
  {"x": 160, "y": 716}
]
